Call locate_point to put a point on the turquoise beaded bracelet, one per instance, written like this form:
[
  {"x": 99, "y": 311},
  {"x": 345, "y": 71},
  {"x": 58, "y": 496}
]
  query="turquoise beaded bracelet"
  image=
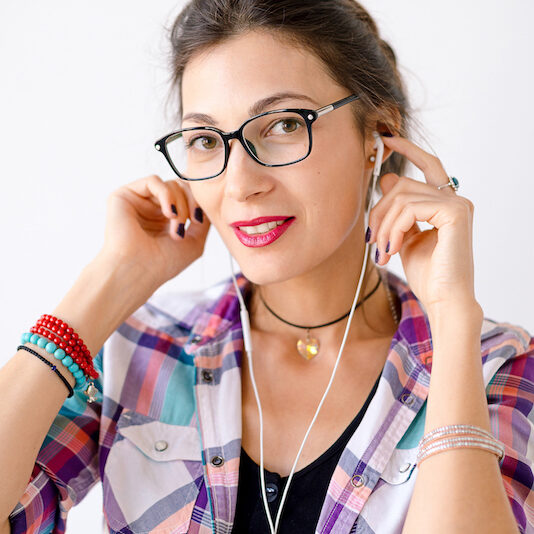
[{"x": 59, "y": 354}]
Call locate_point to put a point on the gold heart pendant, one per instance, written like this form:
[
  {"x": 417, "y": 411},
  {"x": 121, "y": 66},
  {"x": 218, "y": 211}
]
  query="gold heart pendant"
[{"x": 309, "y": 348}]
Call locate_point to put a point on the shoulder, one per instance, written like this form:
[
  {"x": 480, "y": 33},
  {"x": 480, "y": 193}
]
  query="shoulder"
[
  {"x": 154, "y": 348},
  {"x": 503, "y": 346}
]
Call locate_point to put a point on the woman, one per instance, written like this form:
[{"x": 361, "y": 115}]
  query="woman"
[{"x": 174, "y": 431}]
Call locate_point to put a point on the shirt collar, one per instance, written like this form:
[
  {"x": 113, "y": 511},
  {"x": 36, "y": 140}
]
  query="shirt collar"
[{"x": 222, "y": 316}]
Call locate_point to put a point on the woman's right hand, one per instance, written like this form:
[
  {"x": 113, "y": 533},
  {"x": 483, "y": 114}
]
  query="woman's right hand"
[{"x": 142, "y": 230}]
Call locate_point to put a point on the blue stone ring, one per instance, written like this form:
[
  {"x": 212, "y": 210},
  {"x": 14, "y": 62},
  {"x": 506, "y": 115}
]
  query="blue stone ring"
[{"x": 453, "y": 182}]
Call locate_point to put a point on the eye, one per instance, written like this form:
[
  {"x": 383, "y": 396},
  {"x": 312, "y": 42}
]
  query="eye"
[
  {"x": 202, "y": 142},
  {"x": 285, "y": 126}
]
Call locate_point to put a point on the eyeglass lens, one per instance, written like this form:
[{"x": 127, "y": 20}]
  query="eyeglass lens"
[{"x": 275, "y": 139}]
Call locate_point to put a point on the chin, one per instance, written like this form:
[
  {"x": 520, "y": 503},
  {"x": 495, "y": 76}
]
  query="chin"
[{"x": 265, "y": 273}]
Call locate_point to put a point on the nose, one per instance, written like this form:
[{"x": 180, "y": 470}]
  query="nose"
[{"x": 244, "y": 177}]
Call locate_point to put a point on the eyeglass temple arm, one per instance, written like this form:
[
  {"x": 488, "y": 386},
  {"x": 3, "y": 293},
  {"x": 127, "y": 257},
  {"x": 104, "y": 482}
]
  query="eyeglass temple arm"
[{"x": 335, "y": 105}]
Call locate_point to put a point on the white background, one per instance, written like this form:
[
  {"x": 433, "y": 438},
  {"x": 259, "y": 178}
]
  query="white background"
[{"x": 81, "y": 104}]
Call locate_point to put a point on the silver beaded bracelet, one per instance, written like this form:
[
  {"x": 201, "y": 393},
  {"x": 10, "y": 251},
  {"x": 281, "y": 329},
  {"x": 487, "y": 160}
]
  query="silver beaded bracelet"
[
  {"x": 455, "y": 429},
  {"x": 458, "y": 436}
]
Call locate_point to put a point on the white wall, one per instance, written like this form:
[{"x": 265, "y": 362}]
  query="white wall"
[{"x": 81, "y": 92}]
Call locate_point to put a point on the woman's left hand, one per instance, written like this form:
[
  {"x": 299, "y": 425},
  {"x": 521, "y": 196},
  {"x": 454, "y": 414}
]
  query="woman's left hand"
[{"x": 438, "y": 262}]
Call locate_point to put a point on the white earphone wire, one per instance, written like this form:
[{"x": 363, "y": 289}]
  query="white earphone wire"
[{"x": 248, "y": 347}]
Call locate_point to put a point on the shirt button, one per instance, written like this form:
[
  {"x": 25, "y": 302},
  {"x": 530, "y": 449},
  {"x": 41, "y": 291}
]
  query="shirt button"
[
  {"x": 407, "y": 399},
  {"x": 358, "y": 480},
  {"x": 161, "y": 445},
  {"x": 207, "y": 375},
  {"x": 404, "y": 468},
  {"x": 217, "y": 461},
  {"x": 272, "y": 491}
]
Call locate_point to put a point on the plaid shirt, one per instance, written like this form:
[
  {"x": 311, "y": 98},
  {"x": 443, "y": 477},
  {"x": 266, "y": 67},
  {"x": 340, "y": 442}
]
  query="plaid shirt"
[{"x": 165, "y": 436}]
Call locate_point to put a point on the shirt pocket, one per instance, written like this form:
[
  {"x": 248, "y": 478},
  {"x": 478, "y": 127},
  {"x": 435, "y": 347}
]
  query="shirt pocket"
[
  {"x": 393, "y": 493},
  {"x": 152, "y": 475}
]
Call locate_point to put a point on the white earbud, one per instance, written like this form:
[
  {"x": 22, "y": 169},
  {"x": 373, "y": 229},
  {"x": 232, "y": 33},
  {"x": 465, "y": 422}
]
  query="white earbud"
[{"x": 379, "y": 145}]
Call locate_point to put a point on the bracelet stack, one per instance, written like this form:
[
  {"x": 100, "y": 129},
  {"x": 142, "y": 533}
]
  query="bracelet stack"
[
  {"x": 456, "y": 437},
  {"x": 56, "y": 337}
]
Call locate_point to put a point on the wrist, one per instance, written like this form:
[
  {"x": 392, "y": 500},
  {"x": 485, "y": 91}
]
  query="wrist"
[
  {"x": 468, "y": 310},
  {"x": 456, "y": 320},
  {"x": 105, "y": 294}
]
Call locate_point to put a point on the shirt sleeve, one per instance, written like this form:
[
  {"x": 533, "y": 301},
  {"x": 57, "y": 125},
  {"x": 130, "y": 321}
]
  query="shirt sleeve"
[
  {"x": 66, "y": 467},
  {"x": 510, "y": 395}
]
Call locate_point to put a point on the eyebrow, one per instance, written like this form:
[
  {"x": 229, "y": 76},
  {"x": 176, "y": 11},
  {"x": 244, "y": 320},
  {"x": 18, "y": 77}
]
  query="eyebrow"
[{"x": 256, "y": 108}]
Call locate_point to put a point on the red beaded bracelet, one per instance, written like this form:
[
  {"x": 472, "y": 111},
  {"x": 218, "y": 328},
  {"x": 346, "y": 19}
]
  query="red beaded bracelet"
[{"x": 60, "y": 333}]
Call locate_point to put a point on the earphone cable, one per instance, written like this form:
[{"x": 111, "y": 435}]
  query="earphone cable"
[{"x": 248, "y": 347}]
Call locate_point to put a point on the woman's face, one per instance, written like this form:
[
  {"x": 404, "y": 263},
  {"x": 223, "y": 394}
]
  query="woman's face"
[{"x": 323, "y": 195}]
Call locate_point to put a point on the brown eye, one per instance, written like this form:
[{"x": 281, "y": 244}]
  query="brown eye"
[
  {"x": 285, "y": 126},
  {"x": 289, "y": 125},
  {"x": 208, "y": 142},
  {"x": 203, "y": 142}
]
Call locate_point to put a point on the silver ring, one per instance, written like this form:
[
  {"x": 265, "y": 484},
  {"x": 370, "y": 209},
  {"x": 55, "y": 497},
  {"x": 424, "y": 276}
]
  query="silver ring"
[{"x": 453, "y": 182}]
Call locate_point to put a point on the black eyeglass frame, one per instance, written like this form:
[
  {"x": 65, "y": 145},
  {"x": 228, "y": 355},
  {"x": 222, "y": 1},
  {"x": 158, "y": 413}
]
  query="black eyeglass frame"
[{"x": 309, "y": 116}]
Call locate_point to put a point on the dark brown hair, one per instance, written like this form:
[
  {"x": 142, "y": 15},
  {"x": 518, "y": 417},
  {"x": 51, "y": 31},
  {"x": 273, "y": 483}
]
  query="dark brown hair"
[{"x": 339, "y": 32}]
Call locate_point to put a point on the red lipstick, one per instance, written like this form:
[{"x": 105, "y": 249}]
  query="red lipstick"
[{"x": 266, "y": 238}]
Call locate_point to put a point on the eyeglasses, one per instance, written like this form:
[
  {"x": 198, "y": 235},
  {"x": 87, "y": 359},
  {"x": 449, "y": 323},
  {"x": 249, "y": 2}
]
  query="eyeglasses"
[{"x": 273, "y": 139}]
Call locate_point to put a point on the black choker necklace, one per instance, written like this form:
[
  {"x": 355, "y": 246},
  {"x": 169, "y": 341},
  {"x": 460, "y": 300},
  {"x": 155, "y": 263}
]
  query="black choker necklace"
[{"x": 309, "y": 348}]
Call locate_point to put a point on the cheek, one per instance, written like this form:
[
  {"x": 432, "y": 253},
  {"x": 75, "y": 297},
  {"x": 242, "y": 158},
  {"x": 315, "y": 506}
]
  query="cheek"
[{"x": 206, "y": 196}]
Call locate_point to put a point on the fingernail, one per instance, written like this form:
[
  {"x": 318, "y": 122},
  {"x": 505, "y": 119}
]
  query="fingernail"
[
  {"x": 174, "y": 210},
  {"x": 181, "y": 230},
  {"x": 387, "y": 248},
  {"x": 377, "y": 256},
  {"x": 386, "y": 134},
  {"x": 199, "y": 215},
  {"x": 367, "y": 235}
]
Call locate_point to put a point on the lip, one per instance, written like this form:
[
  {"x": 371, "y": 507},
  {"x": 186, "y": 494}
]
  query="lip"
[
  {"x": 262, "y": 240},
  {"x": 260, "y": 220}
]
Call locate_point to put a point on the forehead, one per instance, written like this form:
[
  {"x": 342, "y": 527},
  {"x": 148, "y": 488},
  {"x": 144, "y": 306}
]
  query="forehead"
[{"x": 239, "y": 71}]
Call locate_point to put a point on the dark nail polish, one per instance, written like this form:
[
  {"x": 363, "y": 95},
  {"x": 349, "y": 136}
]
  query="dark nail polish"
[
  {"x": 199, "y": 215},
  {"x": 377, "y": 256},
  {"x": 181, "y": 230},
  {"x": 387, "y": 248},
  {"x": 368, "y": 235},
  {"x": 386, "y": 134},
  {"x": 174, "y": 210}
]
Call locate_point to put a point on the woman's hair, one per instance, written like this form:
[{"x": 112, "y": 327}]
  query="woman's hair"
[{"x": 339, "y": 32}]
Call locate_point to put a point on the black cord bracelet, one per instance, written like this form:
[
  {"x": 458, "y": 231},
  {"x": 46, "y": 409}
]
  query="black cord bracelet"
[{"x": 54, "y": 368}]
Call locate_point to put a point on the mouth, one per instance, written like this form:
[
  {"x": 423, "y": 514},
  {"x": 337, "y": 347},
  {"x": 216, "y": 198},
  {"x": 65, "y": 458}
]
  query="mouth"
[{"x": 261, "y": 231}]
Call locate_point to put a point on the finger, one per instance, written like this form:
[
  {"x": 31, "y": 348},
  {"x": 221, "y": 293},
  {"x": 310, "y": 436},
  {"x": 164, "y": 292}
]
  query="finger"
[
  {"x": 385, "y": 216},
  {"x": 197, "y": 214},
  {"x": 431, "y": 166},
  {"x": 154, "y": 188},
  {"x": 177, "y": 224},
  {"x": 398, "y": 192},
  {"x": 422, "y": 210},
  {"x": 200, "y": 224},
  {"x": 199, "y": 230},
  {"x": 393, "y": 182}
]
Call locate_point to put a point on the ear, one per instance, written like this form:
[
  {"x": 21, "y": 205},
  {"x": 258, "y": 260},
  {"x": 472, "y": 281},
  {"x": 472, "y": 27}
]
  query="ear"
[
  {"x": 389, "y": 122},
  {"x": 370, "y": 148}
]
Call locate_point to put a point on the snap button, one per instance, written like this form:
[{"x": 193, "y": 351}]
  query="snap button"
[
  {"x": 403, "y": 468},
  {"x": 272, "y": 491},
  {"x": 407, "y": 399},
  {"x": 358, "y": 480},
  {"x": 196, "y": 338},
  {"x": 207, "y": 375},
  {"x": 217, "y": 461},
  {"x": 161, "y": 445}
]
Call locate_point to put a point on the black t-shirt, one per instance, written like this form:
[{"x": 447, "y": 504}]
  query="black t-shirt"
[{"x": 306, "y": 494}]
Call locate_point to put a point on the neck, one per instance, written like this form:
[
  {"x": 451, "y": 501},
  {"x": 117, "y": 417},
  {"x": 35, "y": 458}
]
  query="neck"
[{"x": 321, "y": 296}]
